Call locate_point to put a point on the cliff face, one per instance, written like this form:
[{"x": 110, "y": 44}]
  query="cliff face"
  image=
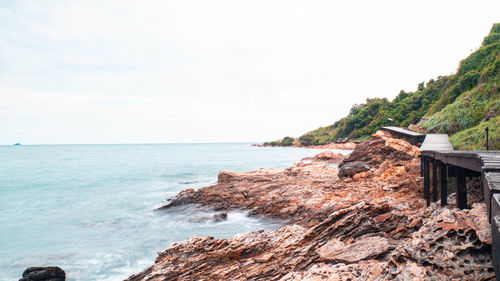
[{"x": 373, "y": 225}]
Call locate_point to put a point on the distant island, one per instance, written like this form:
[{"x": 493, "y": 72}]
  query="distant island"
[
  {"x": 17, "y": 143},
  {"x": 461, "y": 105}
]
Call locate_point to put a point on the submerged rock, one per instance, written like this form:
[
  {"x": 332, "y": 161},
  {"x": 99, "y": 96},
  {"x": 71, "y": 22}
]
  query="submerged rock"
[
  {"x": 51, "y": 273},
  {"x": 218, "y": 217}
]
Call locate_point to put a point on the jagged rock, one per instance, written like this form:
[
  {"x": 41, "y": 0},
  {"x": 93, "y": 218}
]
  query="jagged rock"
[
  {"x": 273, "y": 254},
  {"x": 283, "y": 193},
  {"x": 382, "y": 148},
  {"x": 452, "y": 242},
  {"x": 51, "y": 273},
  {"x": 398, "y": 144},
  {"x": 308, "y": 192},
  {"x": 352, "y": 168},
  {"x": 363, "y": 242}
]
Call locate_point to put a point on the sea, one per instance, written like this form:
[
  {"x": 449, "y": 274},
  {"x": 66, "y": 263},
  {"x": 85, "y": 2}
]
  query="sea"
[{"x": 90, "y": 209}]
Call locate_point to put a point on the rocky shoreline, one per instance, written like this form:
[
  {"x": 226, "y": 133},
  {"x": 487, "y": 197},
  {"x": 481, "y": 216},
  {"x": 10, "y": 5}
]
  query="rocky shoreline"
[
  {"x": 347, "y": 145},
  {"x": 363, "y": 220}
]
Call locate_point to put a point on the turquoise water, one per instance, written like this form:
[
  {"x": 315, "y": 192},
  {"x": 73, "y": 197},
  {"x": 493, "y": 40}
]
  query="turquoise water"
[{"x": 89, "y": 208}]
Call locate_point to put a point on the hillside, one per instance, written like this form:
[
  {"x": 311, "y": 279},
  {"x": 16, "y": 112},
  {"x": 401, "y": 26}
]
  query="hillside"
[{"x": 461, "y": 105}]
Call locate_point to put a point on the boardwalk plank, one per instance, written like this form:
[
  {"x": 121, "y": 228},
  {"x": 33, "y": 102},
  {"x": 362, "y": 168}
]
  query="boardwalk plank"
[{"x": 436, "y": 142}]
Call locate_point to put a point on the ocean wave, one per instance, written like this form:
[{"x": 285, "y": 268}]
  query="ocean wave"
[
  {"x": 178, "y": 175},
  {"x": 187, "y": 182}
]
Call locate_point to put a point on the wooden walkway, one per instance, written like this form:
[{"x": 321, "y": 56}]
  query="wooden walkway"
[
  {"x": 437, "y": 152},
  {"x": 398, "y": 132}
]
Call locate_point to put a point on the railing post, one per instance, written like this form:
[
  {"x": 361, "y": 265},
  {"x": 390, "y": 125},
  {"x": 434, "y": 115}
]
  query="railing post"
[
  {"x": 461, "y": 188},
  {"x": 487, "y": 138},
  {"x": 434, "y": 180},
  {"x": 427, "y": 181},
  {"x": 495, "y": 245},
  {"x": 444, "y": 184},
  {"x": 485, "y": 189},
  {"x": 421, "y": 165}
]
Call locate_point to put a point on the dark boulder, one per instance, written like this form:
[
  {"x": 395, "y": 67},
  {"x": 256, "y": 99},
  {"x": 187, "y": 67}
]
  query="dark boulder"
[
  {"x": 51, "y": 273},
  {"x": 352, "y": 168}
]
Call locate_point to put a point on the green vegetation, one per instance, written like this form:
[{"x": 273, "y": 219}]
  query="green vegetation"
[
  {"x": 286, "y": 141},
  {"x": 471, "y": 101},
  {"x": 365, "y": 119},
  {"x": 469, "y": 110},
  {"x": 475, "y": 138},
  {"x": 460, "y": 105}
]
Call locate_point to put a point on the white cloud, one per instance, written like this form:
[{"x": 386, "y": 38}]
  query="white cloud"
[{"x": 163, "y": 71}]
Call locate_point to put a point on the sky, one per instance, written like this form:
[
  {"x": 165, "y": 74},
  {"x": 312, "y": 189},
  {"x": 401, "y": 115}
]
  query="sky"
[{"x": 99, "y": 71}]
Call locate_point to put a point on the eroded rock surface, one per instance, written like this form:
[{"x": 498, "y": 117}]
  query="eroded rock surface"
[
  {"x": 373, "y": 226},
  {"x": 362, "y": 249}
]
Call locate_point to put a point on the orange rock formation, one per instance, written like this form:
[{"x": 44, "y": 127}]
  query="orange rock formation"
[{"x": 372, "y": 226}]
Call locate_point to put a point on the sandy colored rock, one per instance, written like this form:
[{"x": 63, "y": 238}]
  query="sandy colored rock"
[
  {"x": 327, "y": 156},
  {"x": 361, "y": 249}
]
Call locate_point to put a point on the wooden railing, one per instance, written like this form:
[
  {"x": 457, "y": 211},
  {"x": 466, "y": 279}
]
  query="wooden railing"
[{"x": 436, "y": 151}]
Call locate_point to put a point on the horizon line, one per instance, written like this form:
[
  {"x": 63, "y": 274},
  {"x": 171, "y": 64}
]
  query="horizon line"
[{"x": 138, "y": 143}]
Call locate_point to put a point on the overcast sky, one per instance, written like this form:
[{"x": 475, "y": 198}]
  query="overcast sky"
[{"x": 125, "y": 71}]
